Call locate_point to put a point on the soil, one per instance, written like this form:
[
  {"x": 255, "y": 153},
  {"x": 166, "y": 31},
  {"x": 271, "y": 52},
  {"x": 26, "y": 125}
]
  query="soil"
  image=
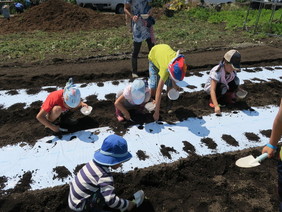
[{"x": 197, "y": 183}]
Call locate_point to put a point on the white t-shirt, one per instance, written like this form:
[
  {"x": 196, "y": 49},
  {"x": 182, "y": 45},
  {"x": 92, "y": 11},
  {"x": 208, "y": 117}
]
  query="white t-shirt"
[{"x": 215, "y": 75}]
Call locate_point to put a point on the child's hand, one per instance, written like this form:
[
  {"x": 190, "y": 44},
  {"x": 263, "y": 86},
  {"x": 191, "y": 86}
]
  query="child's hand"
[
  {"x": 55, "y": 128},
  {"x": 131, "y": 205},
  {"x": 269, "y": 151},
  {"x": 127, "y": 116},
  {"x": 135, "y": 18},
  {"x": 176, "y": 87},
  {"x": 217, "y": 110},
  {"x": 83, "y": 104},
  {"x": 156, "y": 115}
]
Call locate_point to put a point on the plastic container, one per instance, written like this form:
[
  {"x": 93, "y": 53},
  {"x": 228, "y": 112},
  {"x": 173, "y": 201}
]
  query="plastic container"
[
  {"x": 144, "y": 16},
  {"x": 139, "y": 197},
  {"x": 241, "y": 94},
  {"x": 173, "y": 94},
  {"x": 86, "y": 110},
  {"x": 150, "y": 106}
]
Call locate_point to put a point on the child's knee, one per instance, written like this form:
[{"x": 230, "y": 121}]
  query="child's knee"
[{"x": 55, "y": 113}]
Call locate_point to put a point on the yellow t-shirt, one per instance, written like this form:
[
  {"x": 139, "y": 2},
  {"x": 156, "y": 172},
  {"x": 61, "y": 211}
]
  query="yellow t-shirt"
[{"x": 161, "y": 55}]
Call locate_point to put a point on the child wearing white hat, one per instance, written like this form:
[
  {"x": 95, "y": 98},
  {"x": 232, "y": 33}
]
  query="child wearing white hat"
[
  {"x": 93, "y": 186},
  {"x": 58, "y": 102},
  {"x": 134, "y": 96}
]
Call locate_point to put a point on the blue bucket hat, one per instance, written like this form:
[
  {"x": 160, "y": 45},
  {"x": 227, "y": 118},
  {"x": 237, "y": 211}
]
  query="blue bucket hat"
[
  {"x": 71, "y": 94},
  {"x": 113, "y": 151}
]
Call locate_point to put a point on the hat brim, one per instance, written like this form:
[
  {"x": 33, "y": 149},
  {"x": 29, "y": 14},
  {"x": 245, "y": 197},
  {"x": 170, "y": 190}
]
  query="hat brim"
[
  {"x": 72, "y": 105},
  {"x": 107, "y": 160},
  {"x": 235, "y": 66},
  {"x": 138, "y": 101}
]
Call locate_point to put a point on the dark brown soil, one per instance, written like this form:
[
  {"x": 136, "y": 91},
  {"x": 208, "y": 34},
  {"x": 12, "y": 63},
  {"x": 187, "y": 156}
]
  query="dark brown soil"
[
  {"x": 197, "y": 183},
  {"x": 210, "y": 183},
  {"x": 56, "y": 15}
]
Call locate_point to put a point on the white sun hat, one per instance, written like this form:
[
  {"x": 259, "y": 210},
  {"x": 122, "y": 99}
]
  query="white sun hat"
[
  {"x": 71, "y": 94},
  {"x": 138, "y": 91}
]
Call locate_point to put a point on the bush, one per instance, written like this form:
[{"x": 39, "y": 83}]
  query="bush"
[{"x": 159, "y": 3}]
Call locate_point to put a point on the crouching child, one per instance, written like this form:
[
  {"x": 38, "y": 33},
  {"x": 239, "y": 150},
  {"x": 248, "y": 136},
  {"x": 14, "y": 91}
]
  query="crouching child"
[
  {"x": 223, "y": 82},
  {"x": 93, "y": 187},
  {"x": 57, "y": 103},
  {"x": 134, "y": 96}
]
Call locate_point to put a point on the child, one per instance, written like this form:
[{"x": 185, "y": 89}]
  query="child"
[
  {"x": 272, "y": 146},
  {"x": 164, "y": 64},
  {"x": 94, "y": 184},
  {"x": 132, "y": 97},
  {"x": 58, "y": 102},
  {"x": 223, "y": 81},
  {"x": 141, "y": 29}
]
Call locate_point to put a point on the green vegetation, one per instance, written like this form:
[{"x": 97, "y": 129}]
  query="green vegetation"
[
  {"x": 196, "y": 28},
  {"x": 235, "y": 17}
]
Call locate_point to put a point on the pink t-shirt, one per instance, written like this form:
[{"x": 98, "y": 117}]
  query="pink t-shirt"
[{"x": 54, "y": 99}]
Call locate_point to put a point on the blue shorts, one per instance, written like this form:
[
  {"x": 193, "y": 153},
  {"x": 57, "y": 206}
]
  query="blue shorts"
[{"x": 154, "y": 77}]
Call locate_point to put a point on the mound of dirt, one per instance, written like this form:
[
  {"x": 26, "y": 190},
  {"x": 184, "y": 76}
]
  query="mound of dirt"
[{"x": 57, "y": 15}]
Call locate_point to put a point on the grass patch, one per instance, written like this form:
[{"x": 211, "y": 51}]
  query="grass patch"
[{"x": 187, "y": 30}]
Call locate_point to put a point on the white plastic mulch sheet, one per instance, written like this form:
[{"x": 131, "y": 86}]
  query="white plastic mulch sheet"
[{"x": 78, "y": 148}]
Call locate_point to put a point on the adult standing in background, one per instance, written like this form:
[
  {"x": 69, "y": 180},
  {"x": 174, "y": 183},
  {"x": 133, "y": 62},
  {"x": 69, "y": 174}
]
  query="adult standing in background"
[{"x": 142, "y": 28}]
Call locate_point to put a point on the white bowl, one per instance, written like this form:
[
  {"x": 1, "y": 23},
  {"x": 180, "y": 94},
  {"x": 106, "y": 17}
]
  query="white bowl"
[
  {"x": 86, "y": 110},
  {"x": 241, "y": 94},
  {"x": 144, "y": 16},
  {"x": 150, "y": 106},
  {"x": 173, "y": 94}
]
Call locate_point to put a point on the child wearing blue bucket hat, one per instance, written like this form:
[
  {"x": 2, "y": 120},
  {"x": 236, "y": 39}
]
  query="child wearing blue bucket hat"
[
  {"x": 58, "y": 102},
  {"x": 134, "y": 96},
  {"x": 93, "y": 186},
  {"x": 166, "y": 66}
]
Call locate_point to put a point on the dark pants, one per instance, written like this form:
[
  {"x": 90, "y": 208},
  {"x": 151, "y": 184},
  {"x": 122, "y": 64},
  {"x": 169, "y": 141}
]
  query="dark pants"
[
  {"x": 136, "y": 50},
  {"x": 19, "y": 9},
  {"x": 220, "y": 86},
  {"x": 96, "y": 203},
  {"x": 225, "y": 96}
]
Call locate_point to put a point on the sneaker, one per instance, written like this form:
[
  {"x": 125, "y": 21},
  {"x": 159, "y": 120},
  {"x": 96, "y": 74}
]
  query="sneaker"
[
  {"x": 211, "y": 105},
  {"x": 120, "y": 118},
  {"x": 134, "y": 75}
]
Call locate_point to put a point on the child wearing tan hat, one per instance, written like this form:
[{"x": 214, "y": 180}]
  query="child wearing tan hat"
[{"x": 223, "y": 81}]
